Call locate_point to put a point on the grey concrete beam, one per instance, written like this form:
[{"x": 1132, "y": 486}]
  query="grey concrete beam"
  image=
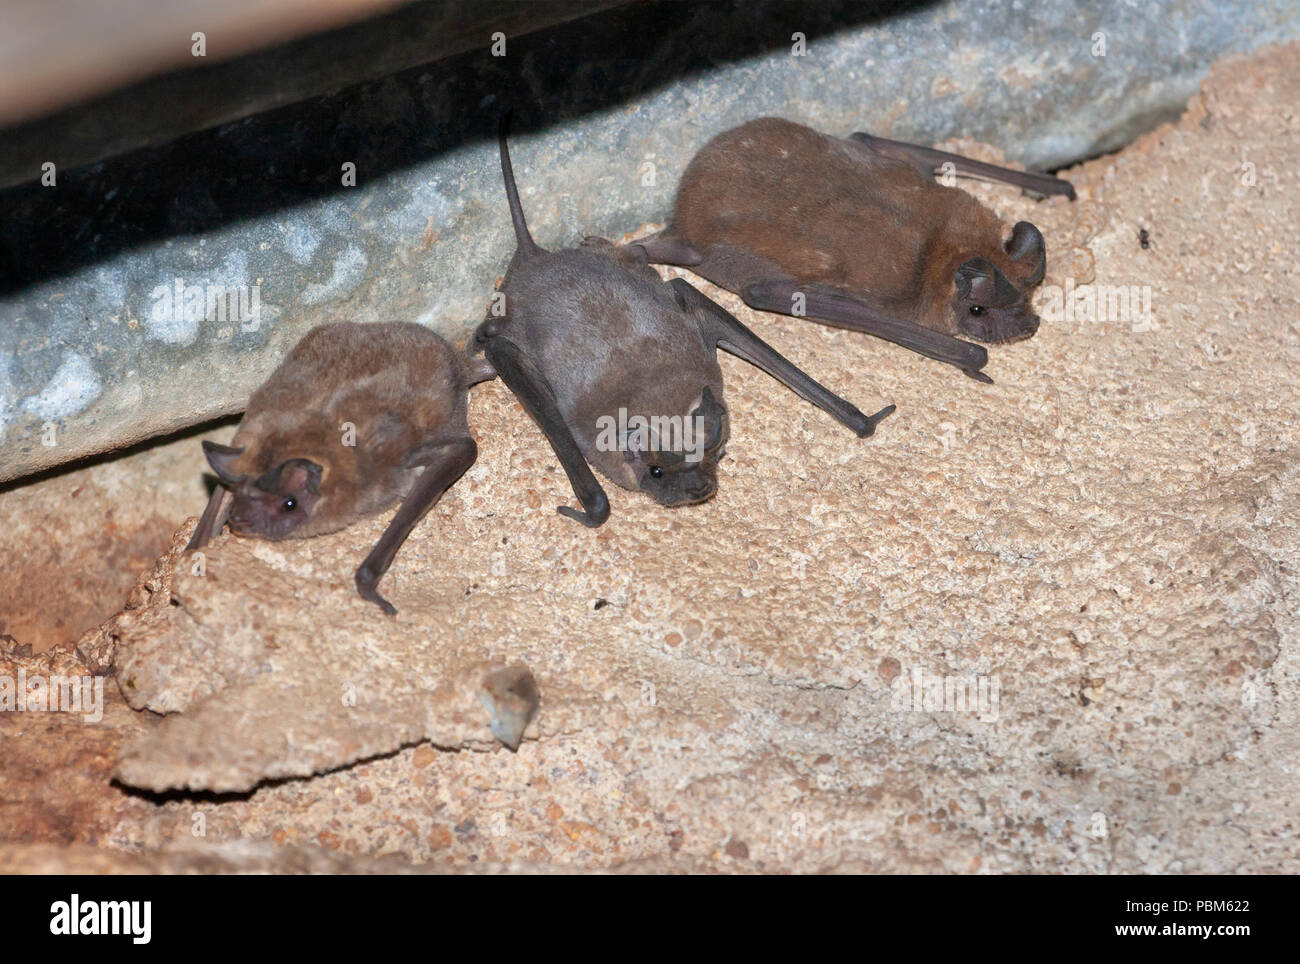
[{"x": 97, "y": 351}]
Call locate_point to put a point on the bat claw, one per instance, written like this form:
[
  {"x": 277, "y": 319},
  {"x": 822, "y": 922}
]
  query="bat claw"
[
  {"x": 874, "y": 420},
  {"x": 590, "y": 521},
  {"x": 366, "y": 588},
  {"x": 979, "y": 376}
]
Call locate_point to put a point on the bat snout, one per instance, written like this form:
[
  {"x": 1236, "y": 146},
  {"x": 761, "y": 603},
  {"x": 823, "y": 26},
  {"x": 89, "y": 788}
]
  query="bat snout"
[
  {"x": 702, "y": 493},
  {"x": 239, "y": 527},
  {"x": 1026, "y": 329},
  {"x": 691, "y": 492},
  {"x": 691, "y": 496},
  {"x": 1002, "y": 328}
]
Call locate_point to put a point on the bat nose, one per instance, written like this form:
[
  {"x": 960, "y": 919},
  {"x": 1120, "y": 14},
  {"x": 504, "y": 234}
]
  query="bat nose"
[{"x": 702, "y": 492}]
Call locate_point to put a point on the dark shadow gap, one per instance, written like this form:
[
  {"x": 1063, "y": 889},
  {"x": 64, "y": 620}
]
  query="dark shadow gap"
[
  {"x": 281, "y": 158},
  {"x": 103, "y": 458}
]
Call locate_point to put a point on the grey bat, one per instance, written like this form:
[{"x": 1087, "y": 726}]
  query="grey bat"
[{"x": 617, "y": 366}]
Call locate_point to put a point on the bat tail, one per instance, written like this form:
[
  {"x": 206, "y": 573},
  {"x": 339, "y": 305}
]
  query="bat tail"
[{"x": 522, "y": 237}]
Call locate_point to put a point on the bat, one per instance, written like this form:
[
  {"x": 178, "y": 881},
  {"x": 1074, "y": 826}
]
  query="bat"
[
  {"x": 619, "y": 368},
  {"x": 356, "y": 418},
  {"x": 856, "y": 233}
]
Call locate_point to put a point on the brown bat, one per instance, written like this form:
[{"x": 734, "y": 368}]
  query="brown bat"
[
  {"x": 355, "y": 418},
  {"x": 856, "y": 233},
  {"x": 591, "y": 339}
]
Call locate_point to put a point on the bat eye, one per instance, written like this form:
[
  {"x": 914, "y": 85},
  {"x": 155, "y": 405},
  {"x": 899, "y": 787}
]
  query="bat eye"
[
  {"x": 289, "y": 505},
  {"x": 656, "y": 472},
  {"x": 976, "y": 310}
]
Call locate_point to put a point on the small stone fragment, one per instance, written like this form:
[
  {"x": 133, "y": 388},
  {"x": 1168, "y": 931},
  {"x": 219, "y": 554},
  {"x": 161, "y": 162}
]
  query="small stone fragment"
[{"x": 511, "y": 697}]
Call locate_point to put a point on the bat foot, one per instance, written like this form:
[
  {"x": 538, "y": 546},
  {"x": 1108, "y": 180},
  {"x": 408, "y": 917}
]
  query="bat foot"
[
  {"x": 591, "y": 520},
  {"x": 874, "y": 420},
  {"x": 979, "y": 376},
  {"x": 480, "y": 370},
  {"x": 388, "y": 608},
  {"x": 488, "y": 330},
  {"x": 366, "y": 587}
]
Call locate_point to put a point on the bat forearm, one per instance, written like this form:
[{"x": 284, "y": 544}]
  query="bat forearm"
[
  {"x": 848, "y": 312},
  {"x": 446, "y": 466},
  {"x": 931, "y": 161},
  {"x": 538, "y": 400}
]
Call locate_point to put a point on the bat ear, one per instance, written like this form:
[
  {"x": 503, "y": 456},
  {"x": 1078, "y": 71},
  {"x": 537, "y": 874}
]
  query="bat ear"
[
  {"x": 980, "y": 282},
  {"x": 293, "y": 475},
  {"x": 711, "y": 410},
  {"x": 222, "y": 459},
  {"x": 635, "y": 443},
  {"x": 1027, "y": 248}
]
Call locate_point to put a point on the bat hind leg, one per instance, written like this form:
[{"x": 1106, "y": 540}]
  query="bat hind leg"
[
  {"x": 213, "y": 518},
  {"x": 664, "y": 248},
  {"x": 478, "y": 370},
  {"x": 533, "y": 392},
  {"x": 929, "y": 161},
  {"x": 445, "y": 462}
]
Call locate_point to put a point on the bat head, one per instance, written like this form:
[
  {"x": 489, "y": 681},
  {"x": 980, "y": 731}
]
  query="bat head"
[
  {"x": 675, "y": 462},
  {"x": 991, "y": 307},
  {"x": 274, "y": 505}
]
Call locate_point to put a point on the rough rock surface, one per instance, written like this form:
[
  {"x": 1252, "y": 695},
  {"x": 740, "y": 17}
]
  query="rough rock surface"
[
  {"x": 1109, "y": 533},
  {"x": 79, "y": 540}
]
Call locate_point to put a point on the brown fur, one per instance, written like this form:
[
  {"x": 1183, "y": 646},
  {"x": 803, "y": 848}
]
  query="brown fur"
[
  {"x": 398, "y": 383},
  {"x": 833, "y": 212}
]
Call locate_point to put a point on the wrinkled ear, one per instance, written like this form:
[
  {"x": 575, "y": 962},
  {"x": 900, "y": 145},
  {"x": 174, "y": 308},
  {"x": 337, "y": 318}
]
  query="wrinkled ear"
[
  {"x": 634, "y": 445},
  {"x": 980, "y": 282},
  {"x": 711, "y": 410},
  {"x": 1027, "y": 248},
  {"x": 292, "y": 475},
  {"x": 222, "y": 459},
  {"x": 636, "y": 440},
  {"x": 302, "y": 474}
]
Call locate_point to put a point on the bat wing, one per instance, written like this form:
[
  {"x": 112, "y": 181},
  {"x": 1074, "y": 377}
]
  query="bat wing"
[
  {"x": 929, "y": 162},
  {"x": 723, "y": 330},
  {"x": 535, "y": 394},
  {"x": 763, "y": 285},
  {"x": 846, "y": 311},
  {"x": 445, "y": 461}
]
